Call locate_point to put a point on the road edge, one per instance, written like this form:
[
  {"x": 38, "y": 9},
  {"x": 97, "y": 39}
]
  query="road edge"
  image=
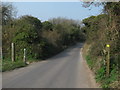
[{"x": 91, "y": 73}]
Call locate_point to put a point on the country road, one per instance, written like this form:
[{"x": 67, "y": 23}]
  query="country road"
[{"x": 65, "y": 70}]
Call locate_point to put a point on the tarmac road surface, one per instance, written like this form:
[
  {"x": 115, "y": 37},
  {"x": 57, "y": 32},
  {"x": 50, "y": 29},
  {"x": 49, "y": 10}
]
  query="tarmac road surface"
[{"x": 65, "y": 70}]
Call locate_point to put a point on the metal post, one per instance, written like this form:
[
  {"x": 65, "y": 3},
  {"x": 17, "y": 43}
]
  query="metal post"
[
  {"x": 13, "y": 52},
  {"x": 24, "y": 58}
]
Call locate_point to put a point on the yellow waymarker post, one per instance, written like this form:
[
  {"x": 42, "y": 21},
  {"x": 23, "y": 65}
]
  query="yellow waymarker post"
[
  {"x": 107, "y": 45},
  {"x": 108, "y": 60}
]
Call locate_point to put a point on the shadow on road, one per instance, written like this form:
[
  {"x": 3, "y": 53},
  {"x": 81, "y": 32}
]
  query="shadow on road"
[{"x": 67, "y": 52}]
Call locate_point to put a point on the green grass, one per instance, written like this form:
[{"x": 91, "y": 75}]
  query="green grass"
[
  {"x": 90, "y": 61},
  {"x": 106, "y": 82},
  {"x": 8, "y": 65}
]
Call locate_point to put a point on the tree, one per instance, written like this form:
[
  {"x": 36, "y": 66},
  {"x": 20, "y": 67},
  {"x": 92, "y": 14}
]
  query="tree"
[
  {"x": 47, "y": 25},
  {"x": 29, "y": 25},
  {"x": 25, "y": 33},
  {"x": 101, "y": 30},
  {"x": 68, "y": 29},
  {"x": 8, "y": 12}
]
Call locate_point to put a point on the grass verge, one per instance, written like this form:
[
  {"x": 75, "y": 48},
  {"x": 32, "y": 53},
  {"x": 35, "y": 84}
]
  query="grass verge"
[
  {"x": 8, "y": 65},
  {"x": 110, "y": 81}
]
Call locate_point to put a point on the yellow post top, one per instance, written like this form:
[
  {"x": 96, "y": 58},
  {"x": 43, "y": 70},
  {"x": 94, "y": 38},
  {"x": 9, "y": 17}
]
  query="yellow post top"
[{"x": 107, "y": 45}]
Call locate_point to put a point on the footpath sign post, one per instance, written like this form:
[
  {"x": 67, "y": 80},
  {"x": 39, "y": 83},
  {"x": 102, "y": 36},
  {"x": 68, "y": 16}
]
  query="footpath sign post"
[{"x": 108, "y": 60}]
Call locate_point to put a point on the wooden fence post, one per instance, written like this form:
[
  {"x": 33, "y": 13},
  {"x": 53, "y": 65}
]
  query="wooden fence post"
[
  {"x": 1, "y": 54},
  {"x": 108, "y": 60},
  {"x": 13, "y": 52}
]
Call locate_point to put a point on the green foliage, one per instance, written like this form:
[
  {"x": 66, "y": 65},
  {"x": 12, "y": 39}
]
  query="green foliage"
[
  {"x": 64, "y": 32},
  {"x": 106, "y": 81},
  {"x": 89, "y": 61},
  {"x": 113, "y": 7},
  {"x": 101, "y": 74},
  {"x": 47, "y": 25},
  {"x": 25, "y": 35},
  {"x": 41, "y": 40},
  {"x": 101, "y": 30},
  {"x": 8, "y": 65}
]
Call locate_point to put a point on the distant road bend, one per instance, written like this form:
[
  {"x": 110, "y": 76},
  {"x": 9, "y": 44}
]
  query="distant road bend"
[{"x": 65, "y": 70}]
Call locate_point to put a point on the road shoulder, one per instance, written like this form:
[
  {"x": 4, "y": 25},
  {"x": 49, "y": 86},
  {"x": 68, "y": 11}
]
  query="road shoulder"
[{"x": 91, "y": 73}]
